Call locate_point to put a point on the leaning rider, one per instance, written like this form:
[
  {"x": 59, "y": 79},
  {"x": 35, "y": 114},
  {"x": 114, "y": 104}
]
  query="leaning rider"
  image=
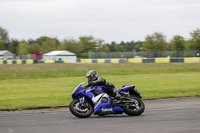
[{"x": 95, "y": 80}]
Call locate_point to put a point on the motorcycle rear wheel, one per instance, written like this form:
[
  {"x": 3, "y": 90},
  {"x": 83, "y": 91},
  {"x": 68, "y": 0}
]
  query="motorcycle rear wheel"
[
  {"x": 135, "y": 111},
  {"x": 80, "y": 111}
]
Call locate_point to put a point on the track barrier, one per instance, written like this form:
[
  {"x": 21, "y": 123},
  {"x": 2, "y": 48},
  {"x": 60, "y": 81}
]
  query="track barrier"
[{"x": 114, "y": 61}]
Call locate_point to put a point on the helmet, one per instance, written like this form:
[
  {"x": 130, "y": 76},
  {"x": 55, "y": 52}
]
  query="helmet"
[{"x": 92, "y": 75}]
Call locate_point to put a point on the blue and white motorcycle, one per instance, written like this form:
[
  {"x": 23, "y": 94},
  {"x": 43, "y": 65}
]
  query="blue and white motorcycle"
[{"x": 96, "y": 100}]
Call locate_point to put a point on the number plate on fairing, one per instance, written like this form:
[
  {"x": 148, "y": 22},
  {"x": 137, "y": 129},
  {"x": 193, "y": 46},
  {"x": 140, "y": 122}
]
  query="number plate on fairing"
[{"x": 108, "y": 109}]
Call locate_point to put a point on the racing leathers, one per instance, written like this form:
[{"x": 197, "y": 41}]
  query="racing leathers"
[{"x": 108, "y": 86}]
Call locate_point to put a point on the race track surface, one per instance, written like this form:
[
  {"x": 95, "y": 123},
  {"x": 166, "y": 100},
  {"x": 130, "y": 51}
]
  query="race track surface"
[{"x": 174, "y": 115}]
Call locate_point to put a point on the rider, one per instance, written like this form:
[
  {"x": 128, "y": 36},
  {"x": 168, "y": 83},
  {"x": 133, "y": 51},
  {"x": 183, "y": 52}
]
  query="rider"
[{"x": 95, "y": 80}]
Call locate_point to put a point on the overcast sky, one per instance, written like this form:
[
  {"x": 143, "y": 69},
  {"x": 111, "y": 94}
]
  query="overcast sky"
[{"x": 110, "y": 20}]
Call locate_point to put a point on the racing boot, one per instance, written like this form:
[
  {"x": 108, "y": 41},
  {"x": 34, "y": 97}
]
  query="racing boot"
[{"x": 117, "y": 96}]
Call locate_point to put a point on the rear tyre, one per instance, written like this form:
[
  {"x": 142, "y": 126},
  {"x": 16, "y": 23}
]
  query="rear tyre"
[
  {"x": 81, "y": 111},
  {"x": 137, "y": 110}
]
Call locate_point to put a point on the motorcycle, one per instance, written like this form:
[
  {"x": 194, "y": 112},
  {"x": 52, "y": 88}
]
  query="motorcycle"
[{"x": 97, "y": 101}]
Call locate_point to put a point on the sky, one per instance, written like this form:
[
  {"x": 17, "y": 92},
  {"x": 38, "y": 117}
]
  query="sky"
[{"x": 110, "y": 20}]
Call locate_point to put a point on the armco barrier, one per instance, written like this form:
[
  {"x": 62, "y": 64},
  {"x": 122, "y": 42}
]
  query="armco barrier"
[
  {"x": 192, "y": 60},
  {"x": 49, "y": 61},
  {"x": 134, "y": 60},
  {"x": 162, "y": 60},
  {"x": 86, "y": 60},
  {"x": 144, "y": 60},
  {"x": 16, "y": 62},
  {"x": 114, "y": 60},
  {"x": 94, "y": 61},
  {"x": 176, "y": 60},
  {"x": 120, "y": 60},
  {"x": 100, "y": 60},
  {"x": 148, "y": 60},
  {"x": 30, "y": 61},
  {"x": 52, "y": 61},
  {"x": 107, "y": 61}
]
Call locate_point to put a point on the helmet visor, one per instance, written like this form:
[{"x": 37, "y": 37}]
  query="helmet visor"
[{"x": 89, "y": 78}]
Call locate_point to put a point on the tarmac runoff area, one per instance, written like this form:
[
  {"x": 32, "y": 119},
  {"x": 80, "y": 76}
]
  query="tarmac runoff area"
[{"x": 172, "y": 115}]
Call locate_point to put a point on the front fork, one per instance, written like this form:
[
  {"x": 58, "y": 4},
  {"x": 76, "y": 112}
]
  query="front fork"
[{"x": 82, "y": 100}]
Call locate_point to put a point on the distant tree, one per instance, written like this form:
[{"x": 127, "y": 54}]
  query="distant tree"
[
  {"x": 113, "y": 47},
  {"x": 138, "y": 46},
  {"x": 33, "y": 48},
  {"x": 72, "y": 46},
  {"x": 155, "y": 43},
  {"x": 43, "y": 39},
  {"x": 101, "y": 46},
  {"x": 12, "y": 46},
  {"x": 23, "y": 48},
  {"x": 4, "y": 35},
  {"x": 48, "y": 45},
  {"x": 129, "y": 46},
  {"x": 32, "y": 41},
  {"x": 89, "y": 43},
  {"x": 177, "y": 43},
  {"x": 2, "y": 45},
  {"x": 121, "y": 47},
  {"x": 194, "y": 42}
]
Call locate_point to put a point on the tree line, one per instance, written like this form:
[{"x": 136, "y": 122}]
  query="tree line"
[{"x": 84, "y": 44}]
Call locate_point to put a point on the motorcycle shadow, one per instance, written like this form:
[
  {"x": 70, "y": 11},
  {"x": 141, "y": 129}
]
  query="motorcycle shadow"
[
  {"x": 93, "y": 117},
  {"x": 109, "y": 116}
]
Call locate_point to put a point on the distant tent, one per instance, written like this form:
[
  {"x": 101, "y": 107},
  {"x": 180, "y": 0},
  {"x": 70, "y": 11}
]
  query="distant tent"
[
  {"x": 6, "y": 54},
  {"x": 60, "y": 55}
]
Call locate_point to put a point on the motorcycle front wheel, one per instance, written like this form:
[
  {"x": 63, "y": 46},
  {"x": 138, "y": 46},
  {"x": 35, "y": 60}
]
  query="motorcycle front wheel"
[
  {"x": 135, "y": 110},
  {"x": 81, "y": 110}
]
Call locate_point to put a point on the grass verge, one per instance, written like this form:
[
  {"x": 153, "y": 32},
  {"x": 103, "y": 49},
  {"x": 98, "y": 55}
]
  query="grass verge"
[{"x": 19, "y": 91}]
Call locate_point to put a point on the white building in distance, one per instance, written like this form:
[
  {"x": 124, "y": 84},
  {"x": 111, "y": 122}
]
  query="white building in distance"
[
  {"x": 60, "y": 55},
  {"x": 6, "y": 54}
]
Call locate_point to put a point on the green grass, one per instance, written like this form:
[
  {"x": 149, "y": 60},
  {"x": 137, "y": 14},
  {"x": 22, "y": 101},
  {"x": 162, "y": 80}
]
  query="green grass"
[
  {"x": 44, "y": 85},
  {"x": 79, "y": 70}
]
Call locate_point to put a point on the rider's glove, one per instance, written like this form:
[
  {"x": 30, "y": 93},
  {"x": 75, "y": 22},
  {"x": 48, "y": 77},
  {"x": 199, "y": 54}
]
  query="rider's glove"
[{"x": 89, "y": 84}]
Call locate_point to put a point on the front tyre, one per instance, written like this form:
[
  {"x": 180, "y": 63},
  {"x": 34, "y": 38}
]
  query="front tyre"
[
  {"x": 136, "y": 110},
  {"x": 82, "y": 111}
]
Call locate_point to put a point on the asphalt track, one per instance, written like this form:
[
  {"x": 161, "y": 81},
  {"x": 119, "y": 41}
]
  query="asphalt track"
[{"x": 175, "y": 115}]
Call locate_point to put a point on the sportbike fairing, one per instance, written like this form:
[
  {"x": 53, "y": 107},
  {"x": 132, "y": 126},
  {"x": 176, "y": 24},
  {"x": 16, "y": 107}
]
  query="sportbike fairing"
[
  {"x": 98, "y": 102},
  {"x": 101, "y": 101},
  {"x": 102, "y": 104}
]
